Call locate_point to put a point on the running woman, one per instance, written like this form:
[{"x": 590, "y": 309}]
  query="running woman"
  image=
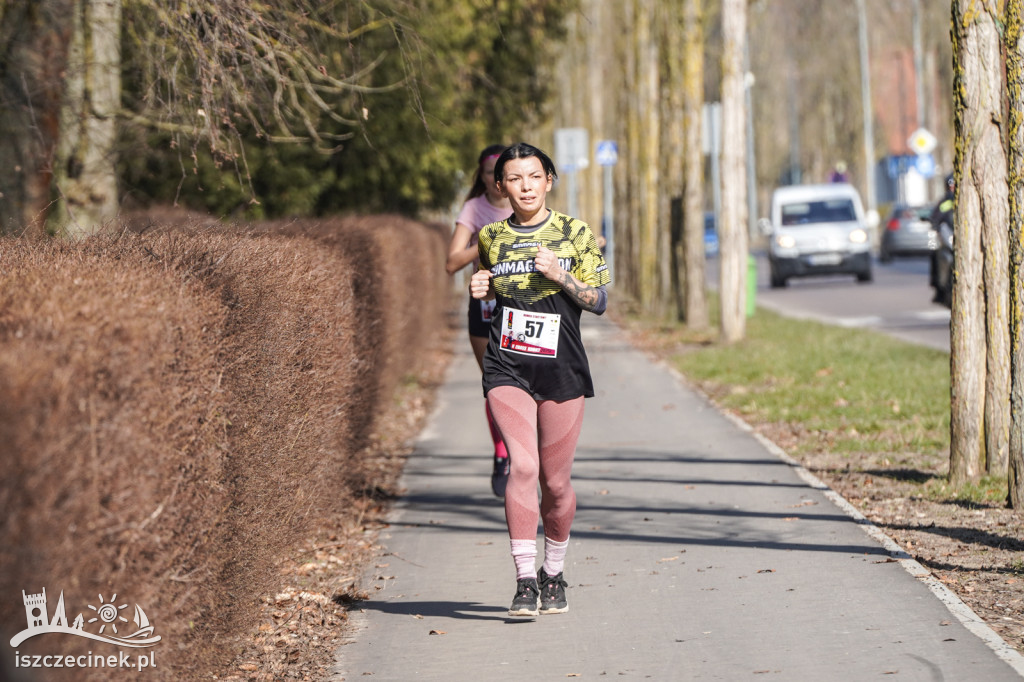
[
  {"x": 484, "y": 204},
  {"x": 543, "y": 269}
]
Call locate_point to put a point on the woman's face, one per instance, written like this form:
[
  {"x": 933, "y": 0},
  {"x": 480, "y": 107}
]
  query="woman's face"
[
  {"x": 526, "y": 184},
  {"x": 487, "y": 176}
]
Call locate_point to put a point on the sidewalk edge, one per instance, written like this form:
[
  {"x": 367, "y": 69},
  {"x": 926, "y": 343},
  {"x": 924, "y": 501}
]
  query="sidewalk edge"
[{"x": 956, "y": 606}]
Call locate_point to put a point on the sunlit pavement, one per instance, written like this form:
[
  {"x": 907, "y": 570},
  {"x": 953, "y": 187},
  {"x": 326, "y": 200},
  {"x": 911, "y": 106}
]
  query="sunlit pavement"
[{"x": 699, "y": 552}]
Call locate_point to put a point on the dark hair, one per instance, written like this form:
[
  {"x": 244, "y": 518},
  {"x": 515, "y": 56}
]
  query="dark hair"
[
  {"x": 478, "y": 187},
  {"x": 521, "y": 150}
]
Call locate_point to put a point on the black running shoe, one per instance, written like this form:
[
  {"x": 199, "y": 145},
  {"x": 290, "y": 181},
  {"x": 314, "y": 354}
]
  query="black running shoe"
[
  {"x": 499, "y": 479},
  {"x": 525, "y": 601},
  {"x": 552, "y": 593}
]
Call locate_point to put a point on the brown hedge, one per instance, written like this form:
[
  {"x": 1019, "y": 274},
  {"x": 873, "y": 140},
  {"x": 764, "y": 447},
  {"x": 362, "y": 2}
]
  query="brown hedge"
[{"x": 178, "y": 406}]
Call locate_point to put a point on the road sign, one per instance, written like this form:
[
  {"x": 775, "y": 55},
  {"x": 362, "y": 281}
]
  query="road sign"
[
  {"x": 607, "y": 153},
  {"x": 571, "y": 149},
  {"x": 922, "y": 142},
  {"x": 925, "y": 165}
]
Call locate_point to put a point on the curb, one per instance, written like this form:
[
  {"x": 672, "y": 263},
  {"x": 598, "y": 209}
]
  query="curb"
[{"x": 956, "y": 606}]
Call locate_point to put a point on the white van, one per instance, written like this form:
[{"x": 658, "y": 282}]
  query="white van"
[{"x": 817, "y": 230}]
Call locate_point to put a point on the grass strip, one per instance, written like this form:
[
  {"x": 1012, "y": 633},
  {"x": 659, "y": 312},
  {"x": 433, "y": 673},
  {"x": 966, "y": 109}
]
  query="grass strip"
[
  {"x": 869, "y": 392},
  {"x": 861, "y": 395}
]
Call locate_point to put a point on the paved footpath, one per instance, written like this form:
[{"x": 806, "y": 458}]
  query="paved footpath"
[{"x": 699, "y": 552}]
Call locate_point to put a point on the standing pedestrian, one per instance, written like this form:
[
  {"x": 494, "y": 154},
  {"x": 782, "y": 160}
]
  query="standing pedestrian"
[
  {"x": 484, "y": 204},
  {"x": 839, "y": 173},
  {"x": 543, "y": 269}
]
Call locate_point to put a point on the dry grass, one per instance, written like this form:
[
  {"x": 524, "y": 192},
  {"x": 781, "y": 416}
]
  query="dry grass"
[{"x": 180, "y": 407}]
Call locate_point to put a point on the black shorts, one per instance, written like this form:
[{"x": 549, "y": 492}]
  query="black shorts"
[{"x": 480, "y": 317}]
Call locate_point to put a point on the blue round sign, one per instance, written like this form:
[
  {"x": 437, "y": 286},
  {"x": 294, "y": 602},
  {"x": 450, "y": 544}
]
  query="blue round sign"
[
  {"x": 925, "y": 165},
  {"x": 607, "y": 153}
]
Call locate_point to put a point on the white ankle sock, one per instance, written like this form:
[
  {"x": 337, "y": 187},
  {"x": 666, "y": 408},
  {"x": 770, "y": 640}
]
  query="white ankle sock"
[
  {"x": 524, "y": 553},
  {"x": 554, "y": 555}
]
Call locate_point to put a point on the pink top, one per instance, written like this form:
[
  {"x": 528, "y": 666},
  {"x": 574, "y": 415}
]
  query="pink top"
[{"x": 478, "y": 212}]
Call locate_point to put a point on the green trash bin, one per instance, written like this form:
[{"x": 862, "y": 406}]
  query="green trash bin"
[{"x": 751, "y": 285}]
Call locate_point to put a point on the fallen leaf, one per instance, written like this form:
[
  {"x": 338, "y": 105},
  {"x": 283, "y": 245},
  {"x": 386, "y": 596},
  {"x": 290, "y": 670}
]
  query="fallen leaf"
[
  {"x": 791, "y": 518},
  {"x": 669, "y": 558},
  {"x": 417, "y": 616},
  {"x": 767, "y": 570},
  {"x": 602, "y": 492},
  {"x": 438, "y": 632}
]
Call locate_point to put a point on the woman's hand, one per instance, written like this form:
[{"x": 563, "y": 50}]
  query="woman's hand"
[
  {"x": 546, "y": 263},
  {"x": 480, "y": 285}
]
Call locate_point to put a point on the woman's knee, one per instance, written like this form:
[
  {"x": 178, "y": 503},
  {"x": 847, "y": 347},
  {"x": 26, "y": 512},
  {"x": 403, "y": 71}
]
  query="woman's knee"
[
  {"x": 557, "y": 489},
  {"x": 527, "y": 467}
]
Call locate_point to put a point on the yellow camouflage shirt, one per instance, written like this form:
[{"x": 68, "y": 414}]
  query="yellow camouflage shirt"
[{"x": 509, "y": 254}]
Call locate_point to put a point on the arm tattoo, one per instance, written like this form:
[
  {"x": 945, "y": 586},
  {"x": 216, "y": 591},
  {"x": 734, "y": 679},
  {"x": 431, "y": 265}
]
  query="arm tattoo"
[{"x": 584, "y": 295}]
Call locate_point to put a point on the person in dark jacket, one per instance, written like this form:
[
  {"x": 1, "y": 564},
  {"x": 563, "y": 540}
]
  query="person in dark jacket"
[{"x": 942, "y": 222}]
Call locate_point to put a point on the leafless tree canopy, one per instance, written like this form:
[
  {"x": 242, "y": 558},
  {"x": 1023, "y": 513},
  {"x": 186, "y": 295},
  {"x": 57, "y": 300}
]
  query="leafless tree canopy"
[{"x": 285, "y": 70}]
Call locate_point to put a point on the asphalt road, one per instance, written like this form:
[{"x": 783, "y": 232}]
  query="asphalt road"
[
  {"x": 699, "y": 552},
  {"x": 898, "y": 302}
]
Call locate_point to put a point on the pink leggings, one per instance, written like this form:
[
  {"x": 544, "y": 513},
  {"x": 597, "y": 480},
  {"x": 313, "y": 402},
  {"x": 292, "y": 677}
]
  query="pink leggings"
[{"x": 541, "y": 439}]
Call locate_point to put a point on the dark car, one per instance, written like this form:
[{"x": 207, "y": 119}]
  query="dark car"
[
  {"x": 908, "y": 232},
  {"x": 940, "y": 271},
  {"x": 710, "y": 235}
]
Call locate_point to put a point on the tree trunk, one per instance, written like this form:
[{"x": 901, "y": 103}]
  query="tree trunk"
[
  {"x": 648, "y": 261},
  {"x": 34, "y": 38},
  {"x": 670, "y": 158},
  {"x": 992, "y": 181},
  {"x": 673, "y": 146},
  {"x": 733, "y": 238},
  {"x": 1014, "y": 37},
  {"x": 695, "y": 304},
  {"x": 993, "y": 189},
  {"x": 629, "y": 267},
  {"x": 977, "y": 88},
  {"x": 85, "y": 172}
]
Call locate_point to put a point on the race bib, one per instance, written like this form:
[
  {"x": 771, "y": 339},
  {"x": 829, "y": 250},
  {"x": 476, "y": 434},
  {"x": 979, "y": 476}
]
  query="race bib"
[{"x": 530, "y": 333}]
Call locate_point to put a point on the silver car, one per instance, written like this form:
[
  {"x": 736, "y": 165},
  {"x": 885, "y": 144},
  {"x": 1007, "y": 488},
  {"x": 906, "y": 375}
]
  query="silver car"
[
  {"x": 908, "y": 232},
  {"x": 817, "y": 230}
]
